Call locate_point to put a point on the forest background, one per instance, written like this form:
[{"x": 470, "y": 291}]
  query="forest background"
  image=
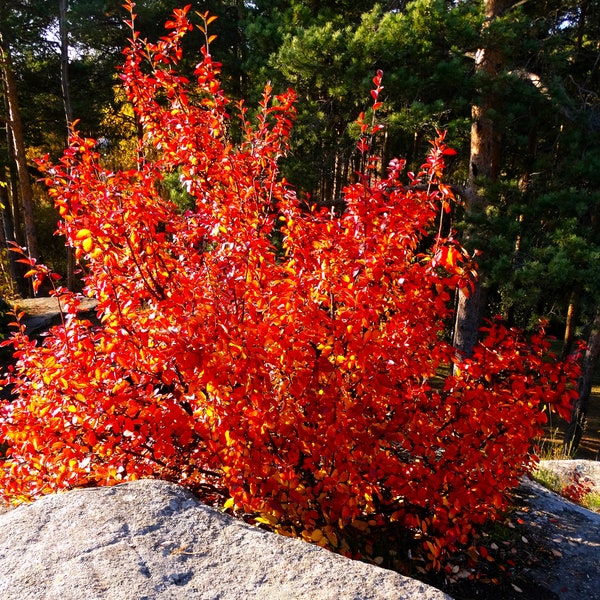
[{"x": 514, "y": 83}]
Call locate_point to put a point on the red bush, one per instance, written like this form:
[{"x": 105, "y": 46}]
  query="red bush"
[
  {"x": 577, "y": 487},
  {"x": 277, "y": 359}
]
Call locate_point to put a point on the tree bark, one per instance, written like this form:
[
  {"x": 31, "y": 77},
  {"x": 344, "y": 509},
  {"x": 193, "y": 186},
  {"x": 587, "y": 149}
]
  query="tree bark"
[
  {"x": 66, "y": 94},
  {"x": 483, "y": 168},
  {"x": 16, "y": 137},
  {"x": 12, "y": 221},
  {"x": 15, "y": 270},
  {"x": 64, "y": 60},
  {"x": 577, "y": 424}
]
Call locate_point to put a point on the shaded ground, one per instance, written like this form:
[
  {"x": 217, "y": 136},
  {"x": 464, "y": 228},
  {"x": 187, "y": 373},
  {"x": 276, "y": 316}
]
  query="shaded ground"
[
  {"x": 546, "y": 549},
  {"x": 570, "y": 536}
]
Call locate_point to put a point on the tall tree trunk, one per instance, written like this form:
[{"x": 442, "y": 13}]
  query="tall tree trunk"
[
  {"x": 64, "y": 60},
  {"x": 66, "y": 93},
  {"x": 4, "y": 204},
  {"x": 12, "y": 221},
  {"x": 483, "y": 168},
  {"x": 576, "y": 426},
  {"x": 15, "y": 269},
  {"x": 18, "y": 144},
  {"x": 470, "y": 309}
]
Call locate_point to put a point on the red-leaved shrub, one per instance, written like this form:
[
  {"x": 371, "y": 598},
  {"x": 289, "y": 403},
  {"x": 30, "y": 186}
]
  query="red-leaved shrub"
[{"x": 279, "y": 359}]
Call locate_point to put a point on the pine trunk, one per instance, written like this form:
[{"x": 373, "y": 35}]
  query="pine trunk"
[
  {"x": 66, "y": 93},
  {"x": 18, "y": 147},
  {"x": 577, "y": 424},
  {"x": 15, "y": 270},
  {"x": 483, "y": 169}
]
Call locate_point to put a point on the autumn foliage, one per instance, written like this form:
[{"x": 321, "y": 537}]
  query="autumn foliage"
[{"x": 281, "y": 360}]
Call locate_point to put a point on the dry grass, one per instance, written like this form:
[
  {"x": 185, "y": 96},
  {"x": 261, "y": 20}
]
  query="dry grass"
[{"x": 551, "y": 445}]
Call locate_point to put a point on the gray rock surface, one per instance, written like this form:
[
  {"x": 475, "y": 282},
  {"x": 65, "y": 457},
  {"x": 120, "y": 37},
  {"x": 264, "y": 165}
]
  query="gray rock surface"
[
  {"x": 571, "y": 534},
  {"x": 151, "y": 540}
]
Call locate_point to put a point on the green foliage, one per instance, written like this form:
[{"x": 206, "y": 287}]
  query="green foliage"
[
  {"x": 548, "y": 479},
  {"x": 592, "y": 501},
  {"x": 427, "y": 82}
]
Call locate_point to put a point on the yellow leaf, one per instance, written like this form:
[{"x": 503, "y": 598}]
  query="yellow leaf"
[
  {"x": 316, "y": 535},
  {"x": 266, "y": 519},
  {"x": 83, "y": 233}
]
